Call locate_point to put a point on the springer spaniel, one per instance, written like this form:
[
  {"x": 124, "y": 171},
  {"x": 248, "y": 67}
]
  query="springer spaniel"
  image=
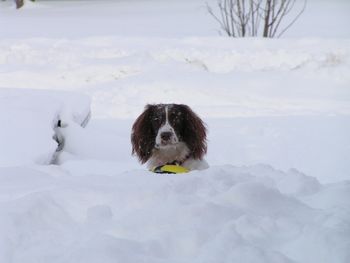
[{"x": 170, "y": 134}]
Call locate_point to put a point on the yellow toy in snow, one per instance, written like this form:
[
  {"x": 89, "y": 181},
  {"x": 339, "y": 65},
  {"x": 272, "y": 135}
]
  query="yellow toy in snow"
[{"x": 170, "y": 169}]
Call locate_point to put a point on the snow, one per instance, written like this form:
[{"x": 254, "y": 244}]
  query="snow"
[
  {"x": 152, "y": 18},
  {"x": 29, "y": 119},
  {"x": 220, "y": 214},
  {"x": 277, "y": 113}
]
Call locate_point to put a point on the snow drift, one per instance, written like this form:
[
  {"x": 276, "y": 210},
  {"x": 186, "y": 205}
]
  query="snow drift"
[
  {"x": 29, "y": 119},
  {"x": 223, "y": 214}
]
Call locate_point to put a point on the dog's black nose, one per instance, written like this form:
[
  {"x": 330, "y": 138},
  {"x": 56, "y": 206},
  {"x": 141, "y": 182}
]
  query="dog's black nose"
[{"x": 165, "y": 136}]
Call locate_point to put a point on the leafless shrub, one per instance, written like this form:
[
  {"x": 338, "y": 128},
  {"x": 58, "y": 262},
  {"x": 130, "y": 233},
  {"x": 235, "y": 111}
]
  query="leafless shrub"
[
  {"x": 19, "y": 3},
  {"x": 241, "y": 18}
]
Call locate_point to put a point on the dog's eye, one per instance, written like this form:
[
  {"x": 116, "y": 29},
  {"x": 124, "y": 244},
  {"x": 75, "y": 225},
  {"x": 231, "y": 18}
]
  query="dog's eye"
[{"x": 156, "y": 120}]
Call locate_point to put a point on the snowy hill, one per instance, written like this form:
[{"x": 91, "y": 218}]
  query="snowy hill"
[
  {"x": 277, "y": 111},
  {"x": 255, "y": 214}
]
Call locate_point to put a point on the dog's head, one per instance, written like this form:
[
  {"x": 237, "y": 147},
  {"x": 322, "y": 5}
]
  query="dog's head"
[{"x": 162, "y": 126}]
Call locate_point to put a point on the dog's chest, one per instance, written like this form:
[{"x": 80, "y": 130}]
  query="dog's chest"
[{"x": 169, "y": 154}]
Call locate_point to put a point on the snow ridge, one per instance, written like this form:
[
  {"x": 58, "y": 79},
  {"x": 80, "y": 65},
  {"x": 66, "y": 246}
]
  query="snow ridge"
[
  {"x": 123, "y": 74},
  {"x": 217, "y": 215}
]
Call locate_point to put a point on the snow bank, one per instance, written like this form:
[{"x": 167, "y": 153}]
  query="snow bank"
[
  {"x": 166, "y": 18},
  {"x": 28, "y": 119},
  {"x": 121, "y": 75},
  {"x": 219, "y": 215}
]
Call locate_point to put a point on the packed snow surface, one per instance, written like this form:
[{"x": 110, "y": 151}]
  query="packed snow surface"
[
  {"x": 277, "y": 112},
  {"x": 254, "y": 214}
]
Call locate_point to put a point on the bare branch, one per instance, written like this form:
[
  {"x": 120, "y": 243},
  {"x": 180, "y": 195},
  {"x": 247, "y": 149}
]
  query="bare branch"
[
  {"x": 294, "y": 20},
  {"x": 241, "y": 18}
]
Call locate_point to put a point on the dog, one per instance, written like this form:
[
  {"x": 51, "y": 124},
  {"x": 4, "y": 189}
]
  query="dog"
[{"x": 170, "y": 134}]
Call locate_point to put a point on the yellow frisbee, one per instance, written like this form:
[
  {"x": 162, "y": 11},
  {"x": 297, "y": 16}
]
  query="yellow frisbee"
[{"x": 170, "y": 169}]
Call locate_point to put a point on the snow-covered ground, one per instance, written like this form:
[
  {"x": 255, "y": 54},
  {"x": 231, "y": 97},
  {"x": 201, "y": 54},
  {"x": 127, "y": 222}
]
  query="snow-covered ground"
[
  {"x": 152, "y": 18},
  {"x": 277, "y": 111}
]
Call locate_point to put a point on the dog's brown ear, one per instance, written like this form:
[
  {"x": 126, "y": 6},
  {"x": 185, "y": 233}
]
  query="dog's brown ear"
[
  {"x": 142, "y": 135},
  {"x": 195, "y": 133}
]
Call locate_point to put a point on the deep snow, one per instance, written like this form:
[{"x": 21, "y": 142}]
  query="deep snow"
[
  {"x": 277, "y": 111},
  {"x": 29, "y": 123},
  {"x": 152, "y": 18},
  {"x": 254, "y": 214},
  {"x": 280, "y": 102}
]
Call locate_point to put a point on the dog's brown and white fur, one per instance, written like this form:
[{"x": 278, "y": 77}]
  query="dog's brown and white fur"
[{"x": 170, "y": 134}]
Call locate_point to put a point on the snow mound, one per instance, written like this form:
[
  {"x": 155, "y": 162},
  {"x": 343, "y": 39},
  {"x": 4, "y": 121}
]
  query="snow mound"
[
  {"x": 218, "y": 215},
  {"x": 28, "y": 120},
  {"x": 121, "y": 75}
]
